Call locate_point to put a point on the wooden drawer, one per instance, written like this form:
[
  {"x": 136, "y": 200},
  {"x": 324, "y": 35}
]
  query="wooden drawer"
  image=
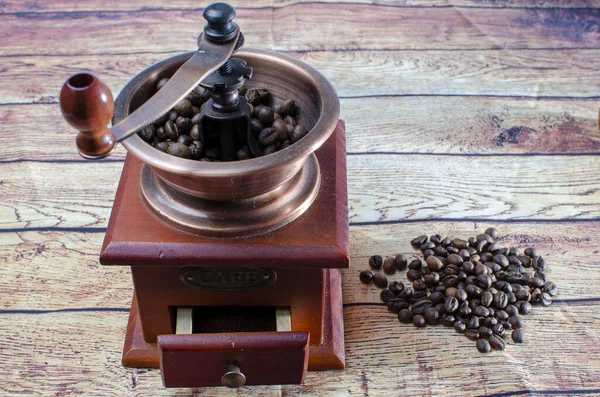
[{"x": 232, "y": 359}]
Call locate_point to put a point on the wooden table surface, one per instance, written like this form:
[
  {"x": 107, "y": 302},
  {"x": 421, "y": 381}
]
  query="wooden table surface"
[{"x": 460, "y": 114}]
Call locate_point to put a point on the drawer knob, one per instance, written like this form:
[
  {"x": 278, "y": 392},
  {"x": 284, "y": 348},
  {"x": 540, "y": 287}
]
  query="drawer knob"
[{"x": 233, "y": 378}]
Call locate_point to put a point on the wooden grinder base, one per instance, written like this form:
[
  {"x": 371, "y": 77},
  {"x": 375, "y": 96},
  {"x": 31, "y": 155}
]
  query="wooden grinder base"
[{"x": 306, "y": 256}]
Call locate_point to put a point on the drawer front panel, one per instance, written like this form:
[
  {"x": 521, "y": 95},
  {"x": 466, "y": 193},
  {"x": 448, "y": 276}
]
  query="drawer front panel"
[{"x": 264, "y": 358}]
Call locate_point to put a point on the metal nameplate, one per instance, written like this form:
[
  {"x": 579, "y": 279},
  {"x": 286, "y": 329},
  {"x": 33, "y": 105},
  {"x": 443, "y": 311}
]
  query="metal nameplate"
[{"x": 229, "y": 278}]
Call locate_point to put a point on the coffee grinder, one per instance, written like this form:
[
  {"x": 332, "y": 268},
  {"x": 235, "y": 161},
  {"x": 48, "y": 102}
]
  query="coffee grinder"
[{"x": 235, "y": 264}]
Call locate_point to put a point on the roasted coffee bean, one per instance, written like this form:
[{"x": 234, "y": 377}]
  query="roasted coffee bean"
[
  {"x": 395, "y": 305},
  {"x": 185, "y": 140},
  {"x": 419, "y": 241},
  {"x": 256, "y": 96},
  {"x": 473, "y": 323},
  {"x": 484, "y": 332},
  {"x": 196, "y": 133},
  {"x": 419, "y": 307},
  {"x": 380, "y": 280},
  {"x": 431, "y": 279},
  {"x": 450, "y": 291},
  {"x": 413, "y": 275},
  {"x": 500, "y": 300},
  {"x": 406, "y": 293},
  {"x": 524, "y": 307},
  {"x": 460, "y": 243},
  {"x": 545, "y": 299},
  {"x": 483, "y": 346},
  {"x": 455, "y": 259},
  {"x": 405, "y": 316},
  {"x": 179, "y": 150},
  {"x": 419, "y": 321},
  {"x": 472, "y": 334},
  {"x": 459, "y": 326},
  {"x": 487, "y": 298},
  {"x": 511, "y": 297},
  {"x": 289, "y": 120},
  {"x": 525, "y": 260},
  {"x": 493, "y": 247},
  {"x": 401, "y": 262},
  {"x": 386, "y": 295},
  {"x": 450, "y": 281},
  {"x": 281, "y": 128},
  {"x": 415, "y": 264},
  {"x": 437, "y": 297},
  {"x": 432, "y": 316},
  {"x": 419, "y": 296},
  {"x": 531, "y": 252},
  {"x": 452, "y": 250},
  {"x": 501, "y": 260},
  {"x": 267, "y": 137},
  {"x": 436, "y": 238},
  {"x": 484, "y": 281},
  {"x": 496, "y": 342},
  {"x": 243, "y": 153},
  {"x": 515, "y": 322},
  {"x": 184, "y": 108},
  {"x": 389, "y": 265},
  {"x": 162, "y": 146},
  {"x": 473, "y": 291},
  {"x": 376, "y": 262},
  {"x": 468, "y": 267},
  {"x": 550, "y": 288},
  {"x": 148, "y": 133},
  {"x": 171, "y": 130},
  {"x": 461, "y": 295},
  {"x": 419, "y": 285},
  {"x": 265, "y": 114},
  {"x": 464, "y": 309},
  {"x": 184, "y": 124},
  {"x": 440, "y": 251},
  {"x": 498, "y": 329},
  {"x": 541, "y": 275},
  {"x": 535, "y": 282},
  {"x": 481, "y": 246},
  {"x": 490, "y": 321},
  {"x": 299, "y": 132},
  {"x": 396, "y": 287},
  {"x": 540, "y": 264},
  {"x": 427, "y": 246},
  {"x": 511, "y": 310},
  {"x": 518, "y": 336},
  {"x": 523, "y": 295},
  {"x": 481, "y": 311},
  {"x": 501, "y": 315},
  {"x": 490, "y": 231},
  {"x": 451, "y": 304}
]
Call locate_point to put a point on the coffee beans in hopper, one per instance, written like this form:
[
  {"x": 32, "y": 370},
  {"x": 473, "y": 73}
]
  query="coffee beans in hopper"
[
  {"x": 475, "y": 286},
  {"x": 180, "y": 133}
]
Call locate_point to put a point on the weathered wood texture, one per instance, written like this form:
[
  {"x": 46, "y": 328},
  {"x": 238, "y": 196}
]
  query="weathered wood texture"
[
  {"x": 40, "y": 6},
  {"x": 355, "y": 74},
  {"x": 382, "y": 188},
  {"x": 306, "y": 27},
  {"x": 460, "y": 114},
  {"x": 399, "y": 125},
  {"x": 52, "y": 354},
  {"x": 65, "y": 270}
]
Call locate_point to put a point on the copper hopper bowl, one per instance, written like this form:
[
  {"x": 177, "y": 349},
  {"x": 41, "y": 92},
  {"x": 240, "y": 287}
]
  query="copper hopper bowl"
[{"x": 237, "y": 198}]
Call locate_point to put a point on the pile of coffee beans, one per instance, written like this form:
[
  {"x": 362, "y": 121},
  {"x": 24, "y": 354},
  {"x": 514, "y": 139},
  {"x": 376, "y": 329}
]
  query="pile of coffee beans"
[
  {"x": 476, "y": 286},
  {"x": 180, "y": 133}
]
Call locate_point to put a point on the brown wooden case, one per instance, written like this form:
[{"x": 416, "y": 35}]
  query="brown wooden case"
[{"x": 304, "y": 255}]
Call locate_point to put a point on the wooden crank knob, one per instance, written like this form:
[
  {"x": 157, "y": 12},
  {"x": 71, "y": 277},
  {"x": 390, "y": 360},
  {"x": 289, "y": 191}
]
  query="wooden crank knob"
[{"x": 87, "y": 104}]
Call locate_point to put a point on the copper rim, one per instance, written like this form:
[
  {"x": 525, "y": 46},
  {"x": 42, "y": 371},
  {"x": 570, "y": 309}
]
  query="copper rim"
[{"x": 322, "y": 129}]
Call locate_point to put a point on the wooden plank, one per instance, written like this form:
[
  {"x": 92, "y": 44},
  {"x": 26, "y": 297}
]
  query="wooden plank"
[
  {"x": 78, "y": 352},
  {"x": 338, "y": 26},
  {"x": 471, "y": 125},
  {"x": 382, "y": 188},
  {"x": 64, "y": 268},
  {"x": 38, "y": 6},
  {"x": 353, "y": 73}
]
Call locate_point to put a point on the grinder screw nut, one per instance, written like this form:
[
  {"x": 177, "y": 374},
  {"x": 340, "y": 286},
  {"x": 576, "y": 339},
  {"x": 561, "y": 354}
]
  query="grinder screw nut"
[{"x": 220, "y": 27}]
